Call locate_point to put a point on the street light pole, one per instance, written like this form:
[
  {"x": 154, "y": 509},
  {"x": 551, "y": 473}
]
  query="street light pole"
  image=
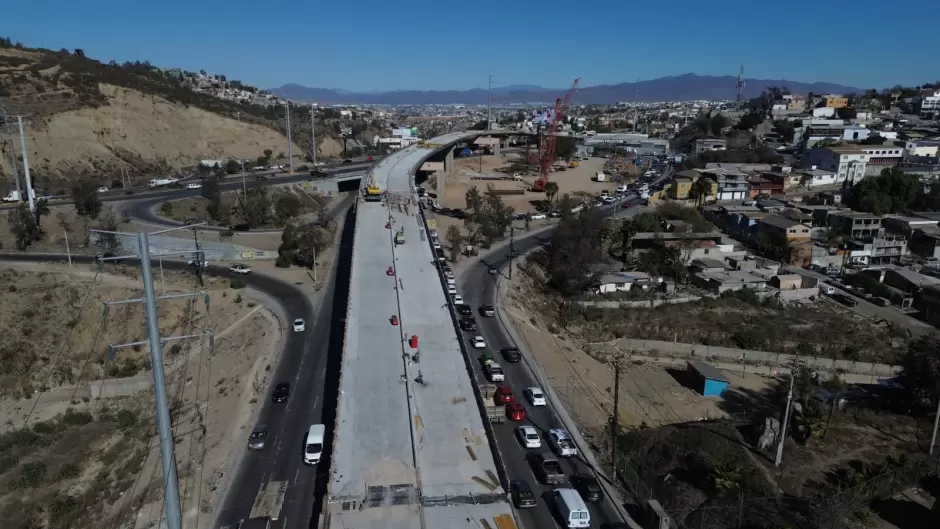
[
  {"x": 290, "y": 149},
  {"x": 512, "y": 232},
  {"x": 313, "y": 137},
  {"x": 489, "y": 101},
  {"x": 786, "y": 419}
]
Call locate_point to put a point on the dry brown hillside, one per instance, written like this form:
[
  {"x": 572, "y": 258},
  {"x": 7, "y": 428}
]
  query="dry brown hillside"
[{"x": 87, "y": 118}]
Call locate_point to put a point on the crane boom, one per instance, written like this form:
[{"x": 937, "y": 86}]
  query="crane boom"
[{"x": 549, "y": 149}]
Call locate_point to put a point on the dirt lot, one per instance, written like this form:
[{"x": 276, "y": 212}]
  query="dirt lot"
[
  {"x": 457, "y": 184},
  {"x": 194, "y": 209},
  {"x": 88, "y": 456},
  {"x": 650, "y": 395}
]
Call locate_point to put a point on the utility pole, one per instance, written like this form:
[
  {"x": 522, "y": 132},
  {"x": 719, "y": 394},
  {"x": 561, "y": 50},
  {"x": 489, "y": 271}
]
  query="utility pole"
[
  {"x": 171, "y": 498},
  {"x": 68, "y": 252},
  {"x": 786, "y": 420},
  {"x": 290, "y": 149},
  {"x": 238, "y": 116},
  {"x": 489, "y": 101},
  {"x": 8, "y": 127},
  {"x": 29, "y": 183},
  {"x": 512, "y": 250},
  {"x": 936, "y": 423},
  {"x": 615, "y": 420},
  {"x": 313, "y": 137},
  {"x": 636, "y": 104}
]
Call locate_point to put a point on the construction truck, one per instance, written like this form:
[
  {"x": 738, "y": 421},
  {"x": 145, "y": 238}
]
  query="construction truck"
[
  {"x": 373, "y": 192},
  {"x": 400, "y": 236},
  {"x": 494, "y": 412}
]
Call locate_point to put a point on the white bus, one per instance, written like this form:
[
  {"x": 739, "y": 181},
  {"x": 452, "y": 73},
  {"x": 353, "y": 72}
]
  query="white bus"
[{"x": 574, "y": 512}]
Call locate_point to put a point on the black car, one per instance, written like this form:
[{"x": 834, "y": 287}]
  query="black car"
[
  {"x": 588, "y": 486},
  {"x": 316, "y": 173},
  {"x": 347, "y": 160},
  {"x": 488, "y": 311},
  {"x": 281, "y": 392},
  {"x": 110, "y": 256},
  {"x": 522, "y": 495},
  {"x": 511, "y": 354},
  {"x": 468, "y": 324},
  {"x": 464, "y": 310}
]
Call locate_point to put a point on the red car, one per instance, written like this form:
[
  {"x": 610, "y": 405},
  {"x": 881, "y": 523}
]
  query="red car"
[
  {"x": 370, "y": 158},
  {"x": 504, "y": 395},
  {"x": 515, "y": 412}
]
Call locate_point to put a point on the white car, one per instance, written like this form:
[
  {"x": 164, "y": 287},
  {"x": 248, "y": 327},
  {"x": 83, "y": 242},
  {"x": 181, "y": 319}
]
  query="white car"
[
  {"x": 102, "y": 189},
  {"x": 299, "y": 325},
  {"x": 458, "y": 299},
  {"x": 240, "y": 269},
  {"x": 452, "y": 290},
  {"x": 537, "y": 216},
  {"x": 529, "y": 437},
  {"x": 436, "y": 244},
  {"x": 535, "y": 396},
  {"x": 562, "y": 443},
  {"x": 478, "y": 342},
  {"x": 193, "y": 186}
]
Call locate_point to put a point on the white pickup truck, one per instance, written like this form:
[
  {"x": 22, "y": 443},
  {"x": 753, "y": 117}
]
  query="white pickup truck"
[{"x": 561, "y": 442}]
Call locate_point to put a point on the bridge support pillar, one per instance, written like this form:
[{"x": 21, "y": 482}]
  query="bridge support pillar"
[{"x": 496, "y": 148}]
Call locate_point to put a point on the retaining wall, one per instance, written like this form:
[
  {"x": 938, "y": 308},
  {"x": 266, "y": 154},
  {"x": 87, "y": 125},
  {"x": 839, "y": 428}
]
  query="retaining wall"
[{"x": 762, "y": 362}]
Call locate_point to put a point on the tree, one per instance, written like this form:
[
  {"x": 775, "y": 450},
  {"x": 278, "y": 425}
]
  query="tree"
[
  {"x": 232, "y": 167},
  {"x": 577, "y": 243},
  {"x": 892, "y": 191},
  {"x": 700, "y": 190},
  {"x": 454, "y": 241},
  {"x": 256, "y": 207},
  {"x": 86, "y": 200},
  {"x": 286, "y": 208},
  {"x": 716, "y": 123},
  {"x": 108, "y": 241},
  {"x": 749, "y": 121},
  {"x": 42, "y": 208},
  {"x": 551, "y": 191},
  {"x": 846, "y": 113},
  {"x": 785, "y": 128},
  {"x": 268, "y": 153},
  {"x": 565, "y": 147},
  {"x": 23, "y": 226},
  {"x": 920, "y": 368}
]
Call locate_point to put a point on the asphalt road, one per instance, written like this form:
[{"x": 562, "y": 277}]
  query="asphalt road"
[
  {"x": 231, "y": 182},
  {"x": 142, "y": 208},
  {"x": 310, "y": 361},
  {"x": 478, "y": 287}
]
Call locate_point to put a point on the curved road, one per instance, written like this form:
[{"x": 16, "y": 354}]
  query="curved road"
[{"x": 310, "y": 362}]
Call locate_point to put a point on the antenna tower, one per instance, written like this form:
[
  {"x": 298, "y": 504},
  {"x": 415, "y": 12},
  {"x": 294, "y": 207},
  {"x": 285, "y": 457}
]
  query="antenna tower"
[{"x": 740, "y": 83}]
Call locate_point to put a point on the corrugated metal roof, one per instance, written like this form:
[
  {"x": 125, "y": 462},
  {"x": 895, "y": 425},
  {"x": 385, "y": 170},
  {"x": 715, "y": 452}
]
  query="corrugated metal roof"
[{"x": 709, "y": 371}]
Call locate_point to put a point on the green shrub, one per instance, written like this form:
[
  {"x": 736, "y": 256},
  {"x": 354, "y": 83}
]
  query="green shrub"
[
  {"x": 32, "y": 474},
  {"x": 236, "y": 283}
]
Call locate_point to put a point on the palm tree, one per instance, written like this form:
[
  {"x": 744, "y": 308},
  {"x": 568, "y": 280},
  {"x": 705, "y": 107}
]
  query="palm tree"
[
  {"x": 700, "y": 190},
  {"x": 551, "y": 191}
]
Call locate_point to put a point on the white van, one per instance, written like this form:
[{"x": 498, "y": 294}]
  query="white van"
[
  {"x": 313, "y": 446},
  {"x": 574, "y": 512}
]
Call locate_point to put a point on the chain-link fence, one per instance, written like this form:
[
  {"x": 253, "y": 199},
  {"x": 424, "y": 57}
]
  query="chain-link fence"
[{"x": 821, "y": 511}]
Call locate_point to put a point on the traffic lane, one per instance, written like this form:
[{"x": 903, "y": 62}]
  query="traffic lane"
[
  {"x": 305, "y": 409},
  {"x": 541, "y": 417},
  {"x": 256, "y": 466}
]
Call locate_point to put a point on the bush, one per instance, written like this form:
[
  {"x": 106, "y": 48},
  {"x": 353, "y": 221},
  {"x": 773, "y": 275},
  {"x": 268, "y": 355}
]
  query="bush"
[
  {"x": 72, "y": 418},
  {"x": 282, "y": 261},
  {"x": 126, "y": 419},
  {"x": 236, "y": 283},
  {"x": 32, "y": 474}
]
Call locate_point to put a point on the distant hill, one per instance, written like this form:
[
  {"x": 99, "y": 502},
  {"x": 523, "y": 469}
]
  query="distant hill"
[{"x": 676, "y": 88}]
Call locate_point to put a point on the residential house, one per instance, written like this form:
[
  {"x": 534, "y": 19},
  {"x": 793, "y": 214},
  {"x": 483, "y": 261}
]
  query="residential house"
[
  {"x": 692, "y": 245},
  {"x": 814, "y": 178},
  {"x": 866, "y": 238},
  {"x": 708, "y": 145},
  {"x": 777, "y": 228},
  {"x": 623, "y": 282},
  {"x": 770, "y": 184},
  {"x": 796, "y": 102},
  {"x": 813, "y": 134},
  {"x": 684, "y": 183},
  {"x": 907, "y": 225},
  {"x": 730, "y": 280},
  {"x": 852, "y": 224},
  {"x": 835, "y": 101},
  {"x": 925, "y": 148},
  {"x": 927, "y": 104},
  {"x": 848, "y": 163},
  {"x": 925, "y": 242},
  {"x": 881, "y": 157},
  {"x": 732, "y": 184}
]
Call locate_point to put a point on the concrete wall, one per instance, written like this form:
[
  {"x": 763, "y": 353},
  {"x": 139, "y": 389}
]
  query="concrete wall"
[
  {"x": 638, "y": 303},
  {"x": 764, "y": 362}
]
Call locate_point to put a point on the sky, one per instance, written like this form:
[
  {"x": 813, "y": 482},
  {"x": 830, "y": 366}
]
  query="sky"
[{"x": 372, "y": 45}]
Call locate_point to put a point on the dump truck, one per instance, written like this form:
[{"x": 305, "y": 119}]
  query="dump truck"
[{"x": 494, "y": 412}]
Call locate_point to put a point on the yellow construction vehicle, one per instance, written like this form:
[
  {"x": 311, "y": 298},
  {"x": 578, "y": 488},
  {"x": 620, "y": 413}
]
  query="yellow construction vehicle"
[{"x": 373, "y": 192}]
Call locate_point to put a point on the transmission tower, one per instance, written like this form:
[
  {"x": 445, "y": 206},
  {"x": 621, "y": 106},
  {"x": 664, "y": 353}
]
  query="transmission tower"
[{"x": 740, "y": 83}]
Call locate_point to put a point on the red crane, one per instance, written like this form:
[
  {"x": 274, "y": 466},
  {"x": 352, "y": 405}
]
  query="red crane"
[{"x": 549, "y": 143}]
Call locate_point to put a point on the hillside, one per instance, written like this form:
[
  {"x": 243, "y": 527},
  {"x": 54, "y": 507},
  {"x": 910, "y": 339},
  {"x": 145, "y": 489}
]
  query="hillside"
[
  {"x": 89, "y": 119},
  {"x": 676, "y": 88}
]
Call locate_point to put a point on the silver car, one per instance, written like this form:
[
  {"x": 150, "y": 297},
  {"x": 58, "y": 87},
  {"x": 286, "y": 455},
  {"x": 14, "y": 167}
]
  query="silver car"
[{"x": 257, "y": 438}]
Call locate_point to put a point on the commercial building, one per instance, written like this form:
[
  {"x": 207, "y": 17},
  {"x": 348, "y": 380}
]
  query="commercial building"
[
  {"x": 640, "y": 144},
  {"x": 835, "y": 101},
  {"x": 927, "y": 104},
  {"x": 847, "y": 162},
  {"x": 881, "y": 157},
  {"x": 928, "y": 148},
  {"x": 708, "y": 145},
  {"x": 810, "y": 135}
]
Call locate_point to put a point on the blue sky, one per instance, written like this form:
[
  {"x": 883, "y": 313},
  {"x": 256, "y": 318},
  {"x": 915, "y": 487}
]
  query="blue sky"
[{"x": 366, "y": 45}]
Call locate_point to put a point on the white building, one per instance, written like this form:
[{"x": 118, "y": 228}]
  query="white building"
[
  {"x": 928, "y": 103},
  {"x": 708, "y": 145},
  {"x": 848, "y": 163},
  {"x": 815, "y": 177},
  {"x": 921, "y": 148}
]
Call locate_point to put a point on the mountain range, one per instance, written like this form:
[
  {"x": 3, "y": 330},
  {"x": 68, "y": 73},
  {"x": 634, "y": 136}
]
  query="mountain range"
[{"x": 685, "y": 87}]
